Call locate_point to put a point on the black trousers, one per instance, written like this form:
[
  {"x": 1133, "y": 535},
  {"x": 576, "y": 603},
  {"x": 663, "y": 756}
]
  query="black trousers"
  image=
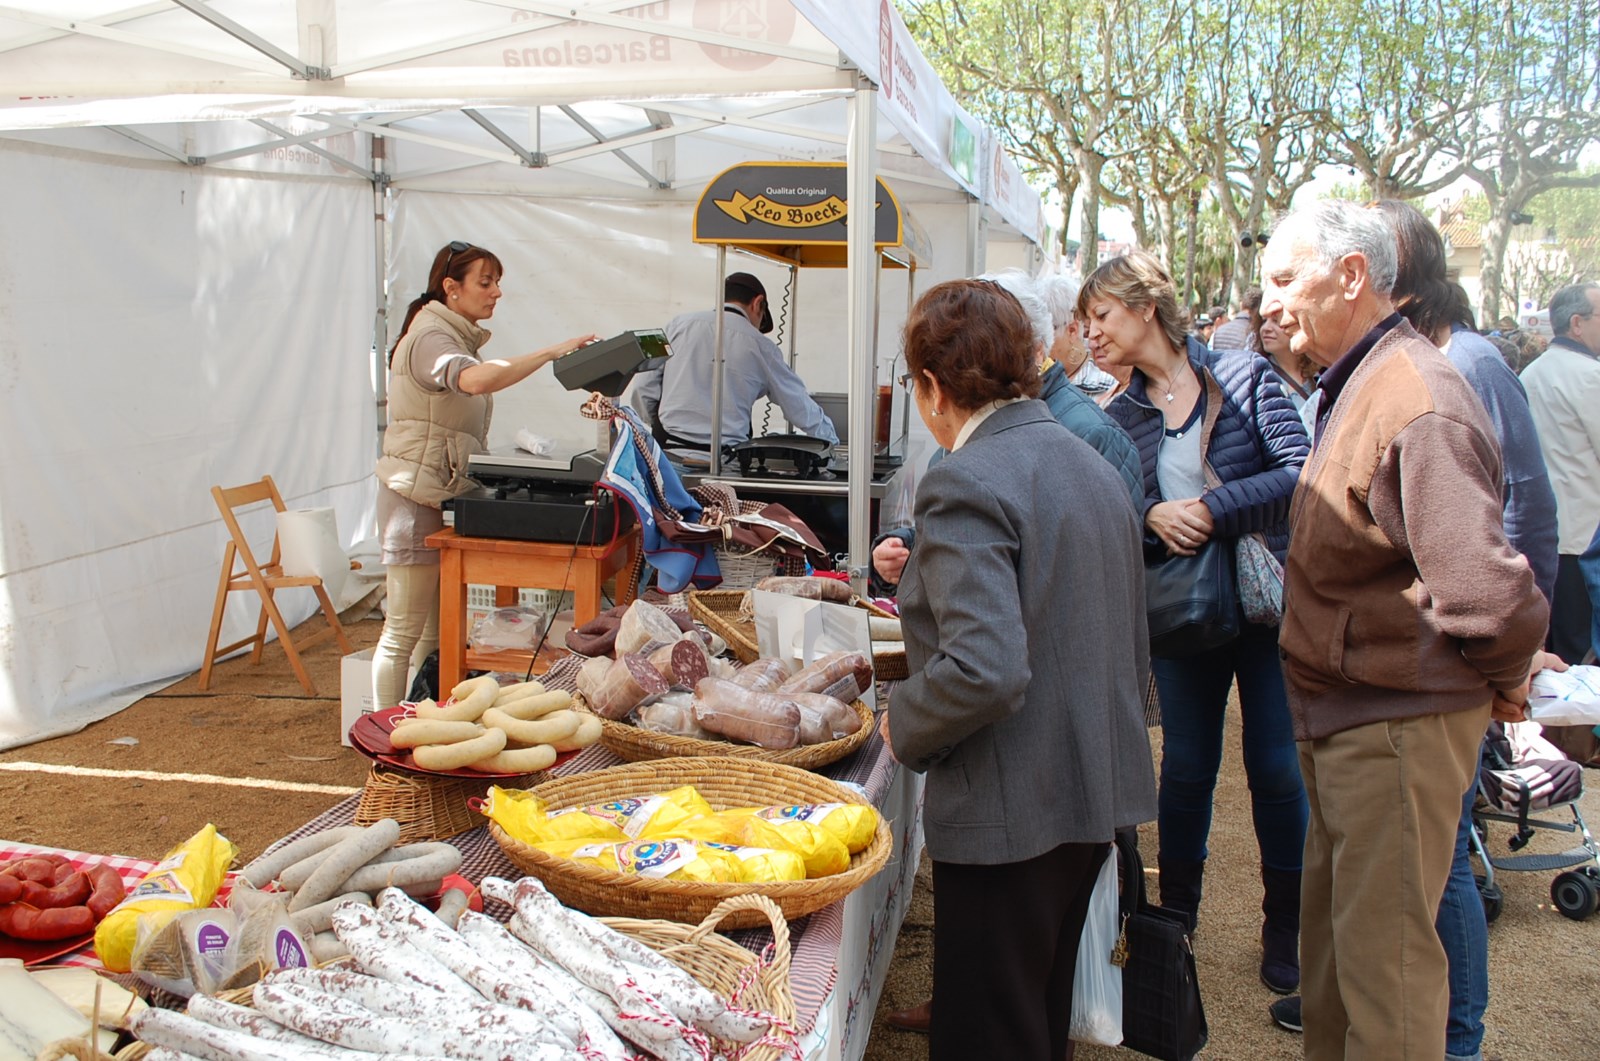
[
  {"x": 1005, "y": 943},
  {"x": 1571, "y": 613}
]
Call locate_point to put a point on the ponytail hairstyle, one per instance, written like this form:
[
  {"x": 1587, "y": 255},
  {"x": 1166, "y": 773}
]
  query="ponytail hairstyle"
[
  {"x": 1423, "y": 292},
  {"x": 453, "y": 261}
]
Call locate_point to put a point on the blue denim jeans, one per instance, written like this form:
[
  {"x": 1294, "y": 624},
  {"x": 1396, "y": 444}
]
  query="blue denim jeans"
[
  {"x": 1465, "y": 935},
  {"x": 1194, "y": 700}
]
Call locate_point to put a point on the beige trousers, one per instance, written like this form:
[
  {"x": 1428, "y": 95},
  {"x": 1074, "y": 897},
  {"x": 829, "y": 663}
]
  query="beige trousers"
[
  {"x": 1385, "y": 805},
  {"x": 410, "y": 631}
]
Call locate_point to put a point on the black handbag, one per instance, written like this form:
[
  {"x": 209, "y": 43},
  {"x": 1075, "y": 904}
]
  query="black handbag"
[
  {"x": 1191, "y": 603},
  {"x": 1162, "y": 1015}
]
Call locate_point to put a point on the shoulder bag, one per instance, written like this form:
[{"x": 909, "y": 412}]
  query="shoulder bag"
[
  {"x": 1192, "y": 602},
  {"x": 1162, "y": 1015}
]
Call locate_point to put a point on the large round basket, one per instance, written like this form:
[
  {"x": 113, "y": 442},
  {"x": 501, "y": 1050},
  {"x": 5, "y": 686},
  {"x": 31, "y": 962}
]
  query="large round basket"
[
  {"x": 719, "y": 611},
  {"x": 728, "y": 969},
  {"x": 725, "y": 783},
  {"x": 636, "y": 745}
]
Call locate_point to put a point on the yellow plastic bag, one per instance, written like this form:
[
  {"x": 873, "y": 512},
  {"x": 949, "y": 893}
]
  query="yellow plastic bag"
[
  {"x": 187, "y": 879},
  {"x": 853, "y": 823},
  {"x": 823, "y": 853},
  {"x": 658, "y": 859},
  {"x": 523, "y": 817}
]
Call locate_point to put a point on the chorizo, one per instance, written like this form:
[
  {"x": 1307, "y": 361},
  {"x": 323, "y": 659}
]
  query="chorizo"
[
  {"x": 72, "y": 890},
  {"x": 107, "y": 890},
  {"x": 25, "y": 921}
]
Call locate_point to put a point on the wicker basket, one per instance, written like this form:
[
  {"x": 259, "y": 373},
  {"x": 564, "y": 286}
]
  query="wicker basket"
[
  {"x": 730, "y": 970},
  {"x": 742, "y": 569},
  {"x": 636, "y": 745},
  {"x": 725, "y": 783},
  {"x": 719, "y": 610},
  {"x": 427, "y": 807}
]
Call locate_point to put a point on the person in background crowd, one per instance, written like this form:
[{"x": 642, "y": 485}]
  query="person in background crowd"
[
  {"x": 1030, "y": 768},
  {"x": 1256, "y": 449},
  {"x": 1505, "y": 325},
  {"x": 1438, "y": 310},
  {"x": 1589, "y": 564},
  {"x": 1060, "y": 294},
  {"x": 439, "y": 407},
  {"x": 1509, "y": 352},
  {"x": 1564, "y": 392},
  {"x": 1297, "y": 375},
  {"x": 1406, "y": 613},
  {"x": 1238, "y": 332},
  {"x": 1204, "y": 326},
  {"x": 1072, "y": 409}
]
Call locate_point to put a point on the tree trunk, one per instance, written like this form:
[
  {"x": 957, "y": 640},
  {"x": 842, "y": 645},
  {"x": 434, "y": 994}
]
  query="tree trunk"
[
  {"x": 1192, "y": 223},
  {"x": 1090, "y": 164},
  {"x": 1496, "y": 237}
]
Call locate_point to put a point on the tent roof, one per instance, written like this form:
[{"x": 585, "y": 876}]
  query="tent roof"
[{"x": 607, "y": 98}]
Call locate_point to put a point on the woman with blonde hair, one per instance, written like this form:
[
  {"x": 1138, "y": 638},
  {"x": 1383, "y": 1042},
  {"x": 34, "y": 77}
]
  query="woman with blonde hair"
[{"x": 1235, "y": 483}]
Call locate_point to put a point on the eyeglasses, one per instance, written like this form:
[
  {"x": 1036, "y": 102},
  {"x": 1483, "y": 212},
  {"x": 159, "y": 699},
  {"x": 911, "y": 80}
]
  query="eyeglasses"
[{"x": 456, "y": 247}]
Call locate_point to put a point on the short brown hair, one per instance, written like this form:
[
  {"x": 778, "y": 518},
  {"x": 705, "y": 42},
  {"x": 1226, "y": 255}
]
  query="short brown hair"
[
  {"x": 1139, "y": 280},
  {"x": 974, "y": 337}
]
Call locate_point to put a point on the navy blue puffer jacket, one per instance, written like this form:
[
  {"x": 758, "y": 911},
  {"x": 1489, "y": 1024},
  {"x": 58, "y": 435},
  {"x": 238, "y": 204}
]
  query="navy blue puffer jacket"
[{"x": 1257, "y": 446}]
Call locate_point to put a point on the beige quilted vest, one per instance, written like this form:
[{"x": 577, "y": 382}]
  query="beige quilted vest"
[{"x": 431, "y": 434}]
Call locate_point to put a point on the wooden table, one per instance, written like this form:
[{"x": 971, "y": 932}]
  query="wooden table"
[{"x": 508, "y": 565}]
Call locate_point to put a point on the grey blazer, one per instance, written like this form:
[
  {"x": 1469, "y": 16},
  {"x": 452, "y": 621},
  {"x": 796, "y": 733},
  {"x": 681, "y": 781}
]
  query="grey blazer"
[{"x": 1023, "y": 610}]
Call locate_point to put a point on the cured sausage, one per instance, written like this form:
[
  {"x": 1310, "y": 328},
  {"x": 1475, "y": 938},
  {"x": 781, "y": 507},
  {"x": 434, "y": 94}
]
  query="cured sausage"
[
  {"x": 107, "y": 890},
  {"x": 762, "y": 675},
  {"x": 21, "y": 920},
  {"x": 809, "y": 587},
  {"x": 770, "y": 720},
  {"x": 630, "y": 682},
  {"x": 841, "y": 675},
  {"x": 822, "y": 718}
]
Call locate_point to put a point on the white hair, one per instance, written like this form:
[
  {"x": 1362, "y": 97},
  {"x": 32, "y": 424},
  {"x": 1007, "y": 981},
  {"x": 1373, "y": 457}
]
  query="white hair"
[
  {"x": 1026, "y": 291},
  {"x": 1060, "y": 294},
  {"x": 1336, "y": 227}
]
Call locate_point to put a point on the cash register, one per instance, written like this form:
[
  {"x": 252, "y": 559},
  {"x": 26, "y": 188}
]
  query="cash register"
[{"x": 554, "y": 497}]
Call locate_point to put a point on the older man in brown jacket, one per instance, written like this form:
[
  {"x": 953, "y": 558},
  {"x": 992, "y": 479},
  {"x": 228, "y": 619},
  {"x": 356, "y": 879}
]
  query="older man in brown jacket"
[{"x": 1406, "y": 614}]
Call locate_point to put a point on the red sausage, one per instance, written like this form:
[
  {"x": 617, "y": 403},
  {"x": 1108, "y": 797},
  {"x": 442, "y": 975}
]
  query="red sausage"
[
  {"x": 22, "y": 921},
  {"x": 37, "y": 868},
  {"x": 70, "y": 892},
  {"x": 108, "y": 890},
  {"x": 10, "y": 889}
]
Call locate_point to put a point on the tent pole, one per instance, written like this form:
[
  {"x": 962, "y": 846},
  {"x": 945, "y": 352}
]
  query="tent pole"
[
  {"x": 380, "y": 273},
  {"x": 793, "y": 323},
  {"x": 716, "y": 367},
  {"x": 975, "y": 238},
  {"x": 861, "y": 254}
]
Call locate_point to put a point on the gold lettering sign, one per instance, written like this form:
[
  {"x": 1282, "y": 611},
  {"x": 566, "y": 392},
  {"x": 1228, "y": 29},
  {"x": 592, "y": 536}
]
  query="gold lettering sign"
[{"x": 743, "y": 209}]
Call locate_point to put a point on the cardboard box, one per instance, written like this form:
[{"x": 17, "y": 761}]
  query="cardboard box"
[{"x": 355, "y": 691}]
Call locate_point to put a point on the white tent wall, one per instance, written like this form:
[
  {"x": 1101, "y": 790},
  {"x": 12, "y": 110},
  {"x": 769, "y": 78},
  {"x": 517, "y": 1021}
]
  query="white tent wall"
[{"x": 165, "y": 329}]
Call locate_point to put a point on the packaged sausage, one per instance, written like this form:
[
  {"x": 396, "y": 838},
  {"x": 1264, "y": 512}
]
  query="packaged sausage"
[
  {"x": 822, "y": 718},
  {"x": 853, "y": 823},
  {"x": 642, "y": 623},
  {"x": 769, "y": 720},
  {"x": 809, "y": 587},
  {"x": 674, "y": 714},
  {"x": 591, "y": 674},
  {"x": 682, "y": 662},
  {"x": 823, "y": 853},
  {"x": 630, "y": 682},
  {"x": 841, "y": 675},
  {"x": 666, "y": 859},
  {"x": 187, "y": 879},
  {"x": 762, "y": 675}
]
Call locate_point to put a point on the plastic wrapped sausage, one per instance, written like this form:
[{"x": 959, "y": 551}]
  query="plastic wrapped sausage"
[
  {"x": 762, "y": 675},
  {"x": 841, "y": 675},
  {"x": 769, "y": 720},
  {"x": 683, "y": 662},
  {"x": 630, "y": 682},
  {"x": 811, "y": 588},
  {"x": 674, "y": 714},
  {"x": 591, "y": 674},
  {"x": 643, "y": 623},
  {"x": 822, "y": 718}
]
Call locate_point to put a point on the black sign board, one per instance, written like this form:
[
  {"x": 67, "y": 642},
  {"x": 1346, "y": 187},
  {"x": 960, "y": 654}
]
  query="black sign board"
[{"x": 788, "y": 204}]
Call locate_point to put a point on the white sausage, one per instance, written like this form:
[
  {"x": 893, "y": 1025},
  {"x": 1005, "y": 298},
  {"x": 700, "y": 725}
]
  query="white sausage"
[
  {"x": 174, "y": 1030},
  {"x": 421, "y": 731},
  {"x": 344, "y": 859},
  {"x": 429, "y": 862},
  {"x": 555, "y": 726},
  {"x": 462, "y": 753},
  {"x": 319, "y": 918},
  {"x": 451, "y": 905},
  {"x": 517, "y": 761},
  {"x": 535, "y": 706},
  {"x": 589, "y": 731},
  {"x": 268, "y": 866}
]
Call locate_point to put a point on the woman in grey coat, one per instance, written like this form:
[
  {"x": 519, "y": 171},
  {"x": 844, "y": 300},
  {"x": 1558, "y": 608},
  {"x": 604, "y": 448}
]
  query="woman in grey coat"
[{"x": 1023, "y": 610}]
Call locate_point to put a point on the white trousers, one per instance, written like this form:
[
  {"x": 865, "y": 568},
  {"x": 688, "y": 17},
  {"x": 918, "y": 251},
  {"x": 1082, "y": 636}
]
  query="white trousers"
[{"x": 410, "y": 632}]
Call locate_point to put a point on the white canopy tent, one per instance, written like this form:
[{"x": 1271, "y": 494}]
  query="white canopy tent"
[{"x": 214, "y": 213}]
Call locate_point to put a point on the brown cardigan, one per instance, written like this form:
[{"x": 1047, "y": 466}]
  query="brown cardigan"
[{"x": 1402, "y": 596}]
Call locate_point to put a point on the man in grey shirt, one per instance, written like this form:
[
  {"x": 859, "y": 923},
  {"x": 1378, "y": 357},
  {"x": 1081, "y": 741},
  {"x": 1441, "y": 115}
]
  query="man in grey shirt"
[{"x": 679, "y": 396}]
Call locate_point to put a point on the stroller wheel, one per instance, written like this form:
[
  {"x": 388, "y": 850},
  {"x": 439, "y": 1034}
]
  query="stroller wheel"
[
  {"x": 1575, "y": 894},
  {"x": 1492, "y": 898}
]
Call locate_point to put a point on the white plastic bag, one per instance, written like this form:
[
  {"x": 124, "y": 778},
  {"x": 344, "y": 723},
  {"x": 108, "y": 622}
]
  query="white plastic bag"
[
  {"x": 508, "y": 629},
  {"x": 1565, "y": 698},
  {"x": 1096, "y": 982}
]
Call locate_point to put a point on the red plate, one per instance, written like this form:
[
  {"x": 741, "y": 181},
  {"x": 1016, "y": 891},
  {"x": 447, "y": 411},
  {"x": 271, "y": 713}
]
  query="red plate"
[
  {"x": 35, "y": 951},
  {"x": 370, "y": 735}
]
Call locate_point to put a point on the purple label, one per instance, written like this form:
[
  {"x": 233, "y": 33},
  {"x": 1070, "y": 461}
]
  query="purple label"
[
  {"x": 291, "y": 955},
  {"x": 211, "y": 939}
]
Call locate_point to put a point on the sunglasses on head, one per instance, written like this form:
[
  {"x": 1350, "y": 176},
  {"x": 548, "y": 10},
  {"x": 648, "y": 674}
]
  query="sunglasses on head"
[{"x": 456, "y": 247}]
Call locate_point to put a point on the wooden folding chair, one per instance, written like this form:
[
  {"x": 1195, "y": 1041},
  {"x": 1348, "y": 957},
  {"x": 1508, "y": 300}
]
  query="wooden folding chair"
[{"x": 264, "y": 580}]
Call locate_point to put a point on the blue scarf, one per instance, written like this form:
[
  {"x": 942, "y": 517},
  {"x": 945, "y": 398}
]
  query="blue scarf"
[{"x": 628, "y": 475}]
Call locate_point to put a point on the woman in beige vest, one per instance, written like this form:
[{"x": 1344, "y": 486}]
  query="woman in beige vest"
[{"x": 439, "y": 409}]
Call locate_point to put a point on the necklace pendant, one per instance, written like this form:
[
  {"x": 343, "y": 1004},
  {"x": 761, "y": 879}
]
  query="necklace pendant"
[{"x": 1171, "y": 396}]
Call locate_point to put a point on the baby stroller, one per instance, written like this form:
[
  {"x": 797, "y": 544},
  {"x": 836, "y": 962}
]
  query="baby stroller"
[{"x": 1521, "y": 773}]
